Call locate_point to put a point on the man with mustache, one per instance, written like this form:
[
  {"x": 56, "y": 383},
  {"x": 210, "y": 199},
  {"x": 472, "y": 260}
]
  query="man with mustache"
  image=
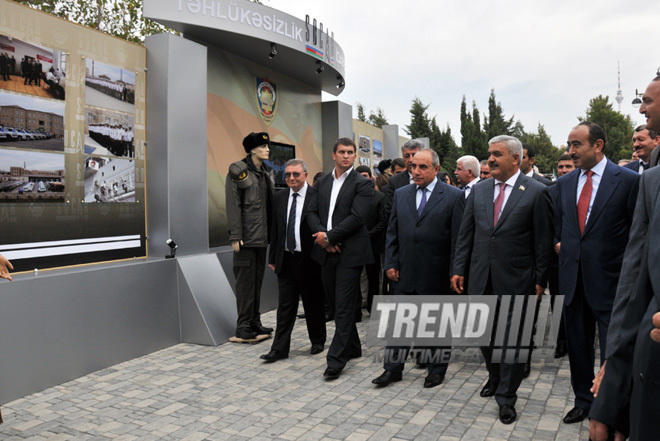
[{"x": 594, "y": 210}]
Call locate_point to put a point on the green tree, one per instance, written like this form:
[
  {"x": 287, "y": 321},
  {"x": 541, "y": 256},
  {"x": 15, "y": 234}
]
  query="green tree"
[
  {"x": 618, "y": 128},
  {"x": 420, "y": 125},
  {"x": 546, "y": 153},
  {"x": 360, "y": 112},
  {"x": 473, "y": 141},
  {"x": 377, "y": 119},
  {"x": 496, "y": 123},
  {"x": 122, "y": 18}
]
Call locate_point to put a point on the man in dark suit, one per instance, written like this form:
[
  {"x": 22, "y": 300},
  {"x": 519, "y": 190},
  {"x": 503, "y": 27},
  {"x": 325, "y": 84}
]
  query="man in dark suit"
[
  {"x": 508, "y": 219},
  {"x": 421, "y": 235},
  {"x": 376, "y": 224},
  {"x": 289, "y": 256},
  {"x": 336, "y": 217},
  {"x": 408, "y": 150},
  {"x": 594, "y": 213},
  {"x": 527, "y": 165},
  {"x": 644, "y": 142},
  {"x": 627, "y": 338}
]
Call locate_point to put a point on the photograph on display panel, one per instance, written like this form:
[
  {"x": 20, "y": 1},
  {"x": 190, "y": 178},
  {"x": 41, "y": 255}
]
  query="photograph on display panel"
[
  {"x": 109, "y": 179},
  {"x": 29, "y": 122},
  {"x": 110, "y": 87},
  {"x": 29, "y": 176},
  {"x": 108, "y": 132},
  {"x": 31, "y": 69},
  {"x": 364, "y": 146},
  {"x": 378, "y": 152}
]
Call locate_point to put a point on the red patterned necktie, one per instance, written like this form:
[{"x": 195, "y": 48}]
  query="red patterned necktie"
[
  {"x": 583, "y": 202},
  {"x": 498, "y": 203}
]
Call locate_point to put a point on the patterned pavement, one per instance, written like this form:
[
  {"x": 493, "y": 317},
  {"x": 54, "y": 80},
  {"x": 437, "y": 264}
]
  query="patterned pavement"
[{"x": 192, "y": 393}]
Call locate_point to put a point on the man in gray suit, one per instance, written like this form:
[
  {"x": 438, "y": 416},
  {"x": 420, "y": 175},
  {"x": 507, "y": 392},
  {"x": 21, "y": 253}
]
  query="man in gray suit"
[
  {"x": 421, "y": 235},
  {"x": 616, "y": 405},
  {"x": 509, "y": 220}
]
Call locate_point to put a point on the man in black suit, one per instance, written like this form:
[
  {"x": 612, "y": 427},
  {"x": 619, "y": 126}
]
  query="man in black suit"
[
  {"x": 336, "y": 217},
  {"x": 421, "y": 235},
  {"x": 508, "y": 222},
  {"x": 527, "y": 165},
  {"x": 595, "y": 206},
  {"x": 408, "y": 150},
  {"x": 376, "y": 224},
  {"x": 289, "y": 256},
  {"x": 644, "y": 142}
]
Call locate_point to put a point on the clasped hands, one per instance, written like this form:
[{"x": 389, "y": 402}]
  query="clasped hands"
[{"x": 319, "y": 239}]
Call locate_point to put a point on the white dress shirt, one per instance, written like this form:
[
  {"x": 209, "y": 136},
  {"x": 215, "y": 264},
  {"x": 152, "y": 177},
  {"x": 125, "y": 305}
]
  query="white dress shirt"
[
  {"x": 429, "y": 191},
  {"x": 507, "y": 190},
  {"x": 300, "y": 201},
  {"x": 337, "y": 182}
]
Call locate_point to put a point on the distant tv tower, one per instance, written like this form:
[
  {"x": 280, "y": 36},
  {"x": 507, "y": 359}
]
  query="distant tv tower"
[{"x": 619, "y": 95}]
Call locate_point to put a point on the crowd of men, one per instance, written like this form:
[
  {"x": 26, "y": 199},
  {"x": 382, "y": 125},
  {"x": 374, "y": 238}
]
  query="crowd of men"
[
  {"x": 115, "y": 89},
  {"x": 506, "y": 231},
  {"x": 118, "y": 139}
]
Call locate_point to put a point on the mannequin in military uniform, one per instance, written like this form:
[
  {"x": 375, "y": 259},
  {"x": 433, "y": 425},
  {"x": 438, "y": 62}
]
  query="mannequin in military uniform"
[{"x": 249, "y": 191}]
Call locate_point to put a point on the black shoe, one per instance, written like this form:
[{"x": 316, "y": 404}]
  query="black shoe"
[
  {"x": 489, "y": 389},
  {"x": 331, "y": 373},
  {"x": 274, "y": 356},
  {"x": 246, "y": 334},
  {"x": 316, "y": 349},
  {"x": 432, "y": 380},
  {"x": 507, "y": 413},
  {"x": 575, "y": 415},
  {"x": 528, "y": 370},
  {"x": 561, "y": 350},
  {"x": 386, "y": 378},
  {"x": 261, "y": 330}
]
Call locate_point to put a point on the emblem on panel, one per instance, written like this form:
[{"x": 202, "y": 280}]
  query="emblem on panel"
[{"x": 267, "y": 99}]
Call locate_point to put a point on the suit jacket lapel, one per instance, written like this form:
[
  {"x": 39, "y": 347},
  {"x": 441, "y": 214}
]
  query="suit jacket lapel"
[
  {"x": 572, "y": 197},
  {"x": 303, "y": 216},
  {"x": 411, "y": 200},
  {"x": 516, "y": 193},
  {"x": 433, "y": 200},
  {"x": 608, "y": 183},
  {"x": 487, "y": 201}
]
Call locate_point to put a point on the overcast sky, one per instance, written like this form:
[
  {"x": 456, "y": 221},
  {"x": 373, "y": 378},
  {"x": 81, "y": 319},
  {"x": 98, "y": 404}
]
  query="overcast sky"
[{"x": 545, "y": 60}]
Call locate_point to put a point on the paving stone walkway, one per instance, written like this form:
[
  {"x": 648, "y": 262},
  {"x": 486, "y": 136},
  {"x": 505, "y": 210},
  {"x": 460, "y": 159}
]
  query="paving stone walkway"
[{"x": 192, "y": 393}]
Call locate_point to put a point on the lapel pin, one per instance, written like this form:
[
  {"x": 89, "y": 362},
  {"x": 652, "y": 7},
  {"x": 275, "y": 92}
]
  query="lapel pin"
[{"x": 522, "y": 188}]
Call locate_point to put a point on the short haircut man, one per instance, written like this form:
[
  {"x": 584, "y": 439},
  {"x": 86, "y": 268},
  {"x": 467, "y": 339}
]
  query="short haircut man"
[
  {"x": 298, "y": 276},
  {"x": 515, "y": 225},
  {"x": 591, "y": 246},
  {"x": 408, "y": 150},
  {"x": 467, "y": 173},
  {"x": 336, "y": 218},
  {"x": 564, "y": 165},
  {"x": 433, "y": 211},
  {"x": 644, "y": 143},
  {"x": 398, "y": 166},
  {"x": 485, "y": 170},
  {"x": 527, "y": 164}
]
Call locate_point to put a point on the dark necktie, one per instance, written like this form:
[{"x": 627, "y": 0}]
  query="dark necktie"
[
  {"x": 498, "y": 203},
  {"x": 583, "y": 202},
  {"x": 645, "y": 165},
  {"x": 291, "y": 226},
  {"x": 422, "y": 203}
]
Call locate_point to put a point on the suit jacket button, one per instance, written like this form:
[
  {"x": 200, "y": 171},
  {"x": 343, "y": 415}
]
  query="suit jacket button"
[
  {"x": 641, "y": 377},
  {"x": 493, "y": 237}
]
